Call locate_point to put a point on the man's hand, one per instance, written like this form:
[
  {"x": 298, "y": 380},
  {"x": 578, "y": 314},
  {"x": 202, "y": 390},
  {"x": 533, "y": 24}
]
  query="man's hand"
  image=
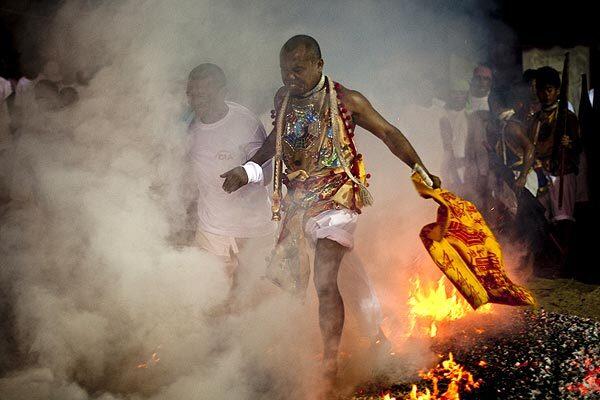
[
  {"x": 437, "y": 183},
  {"x": 234, "y": 179}
]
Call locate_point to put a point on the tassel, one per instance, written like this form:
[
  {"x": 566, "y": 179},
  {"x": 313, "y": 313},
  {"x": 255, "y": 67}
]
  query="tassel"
[
  {"x": 365, "y": 195},
  {"x": 278, "y": 164}
]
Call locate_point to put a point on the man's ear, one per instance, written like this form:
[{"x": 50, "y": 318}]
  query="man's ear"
[{"x": 320, "y": 65}]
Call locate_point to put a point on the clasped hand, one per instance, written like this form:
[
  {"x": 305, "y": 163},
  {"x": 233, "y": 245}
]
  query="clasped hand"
[{"x": 234, "y": 179}]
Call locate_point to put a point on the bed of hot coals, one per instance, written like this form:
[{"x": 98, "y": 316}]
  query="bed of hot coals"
[{"x": 520, "y": 355}]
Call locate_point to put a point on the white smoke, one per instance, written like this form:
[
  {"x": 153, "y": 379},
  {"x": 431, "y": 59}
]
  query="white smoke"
[{"x": 90, "y": 282}]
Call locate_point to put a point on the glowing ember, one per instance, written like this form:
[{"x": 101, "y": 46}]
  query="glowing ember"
[
  {"x": 591, "y": 382},
  {"x": 433, "y": 305},
  {"x": 152, "y": 361}
]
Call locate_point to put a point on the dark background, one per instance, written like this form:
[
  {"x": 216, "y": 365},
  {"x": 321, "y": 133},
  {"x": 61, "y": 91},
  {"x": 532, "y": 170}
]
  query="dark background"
[{"x": 536, "y": 24}]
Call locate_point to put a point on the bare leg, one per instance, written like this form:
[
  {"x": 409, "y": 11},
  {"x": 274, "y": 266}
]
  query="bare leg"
[{"x": 328, "y": 257}]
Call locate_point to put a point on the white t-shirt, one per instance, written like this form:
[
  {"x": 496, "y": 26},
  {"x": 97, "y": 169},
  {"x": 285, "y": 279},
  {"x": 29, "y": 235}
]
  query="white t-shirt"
[
  {"x": 216, "y": 148},
  {"x": 478, "y": 103}
]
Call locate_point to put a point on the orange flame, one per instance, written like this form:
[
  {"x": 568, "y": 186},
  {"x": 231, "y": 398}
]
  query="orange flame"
[
  {"x": 414, "y": 395},
  {"x": 433, "y": 305},
  {"x": 152, "y": 361},
  {"x": 450, "y": 371}
]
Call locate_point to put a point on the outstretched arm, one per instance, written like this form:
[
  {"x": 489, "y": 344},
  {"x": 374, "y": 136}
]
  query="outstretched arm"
[{"x": 368, "y": 118}]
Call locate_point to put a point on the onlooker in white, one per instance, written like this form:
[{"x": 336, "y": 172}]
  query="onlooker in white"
[
  {"x": 223, "y": 135},
  {"x": 454, "y": 130}
]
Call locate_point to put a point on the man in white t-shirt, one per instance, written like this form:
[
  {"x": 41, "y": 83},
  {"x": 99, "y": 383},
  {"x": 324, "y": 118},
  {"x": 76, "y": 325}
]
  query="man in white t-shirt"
[{"x": 221, "y": 136}]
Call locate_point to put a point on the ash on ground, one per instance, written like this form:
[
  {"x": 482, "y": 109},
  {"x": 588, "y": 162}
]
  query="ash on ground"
[{"x": 527, "y": 355}]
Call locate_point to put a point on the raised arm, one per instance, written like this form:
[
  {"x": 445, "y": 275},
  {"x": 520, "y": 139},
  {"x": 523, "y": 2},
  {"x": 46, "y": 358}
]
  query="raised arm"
[{"x": 368, "y": 118}]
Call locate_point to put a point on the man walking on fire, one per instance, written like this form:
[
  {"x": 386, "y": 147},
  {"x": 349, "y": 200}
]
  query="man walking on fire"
[{"x": 325, "y": 179}]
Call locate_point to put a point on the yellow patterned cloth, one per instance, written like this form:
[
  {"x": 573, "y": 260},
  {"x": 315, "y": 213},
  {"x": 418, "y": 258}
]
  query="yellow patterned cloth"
[{"x": 465, "y": 249}]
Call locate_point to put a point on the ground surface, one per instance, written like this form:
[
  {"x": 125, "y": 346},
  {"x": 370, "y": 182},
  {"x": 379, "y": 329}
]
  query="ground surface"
[
  {"x": 552, "y": 352},
  {"x": 567, "y": 296}
]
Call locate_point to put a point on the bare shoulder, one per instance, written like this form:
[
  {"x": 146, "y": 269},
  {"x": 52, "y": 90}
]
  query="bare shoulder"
[{"x": 353, "y": 99}]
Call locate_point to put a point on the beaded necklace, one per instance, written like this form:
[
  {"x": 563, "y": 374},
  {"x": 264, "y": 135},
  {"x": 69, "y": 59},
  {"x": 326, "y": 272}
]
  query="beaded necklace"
[
  {"x": 304, "y": 119},
  {"x": 320, "y": 85},
  {"x": 300, "y": 131}
]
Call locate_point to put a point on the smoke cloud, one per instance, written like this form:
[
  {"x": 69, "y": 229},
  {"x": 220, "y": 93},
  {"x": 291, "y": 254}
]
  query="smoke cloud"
[{"x": 98, "y": 300}]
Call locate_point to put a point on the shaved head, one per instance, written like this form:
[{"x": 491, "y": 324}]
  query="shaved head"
[
  {"x": 308, "y": 42},
  {"x": 301, "y": 64},
  {"x": 208, "y": 70},
  {"x": 206, "y": 92}
]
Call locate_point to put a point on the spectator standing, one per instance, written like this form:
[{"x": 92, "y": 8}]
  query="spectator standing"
[{"x": 554, "y": 155}]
